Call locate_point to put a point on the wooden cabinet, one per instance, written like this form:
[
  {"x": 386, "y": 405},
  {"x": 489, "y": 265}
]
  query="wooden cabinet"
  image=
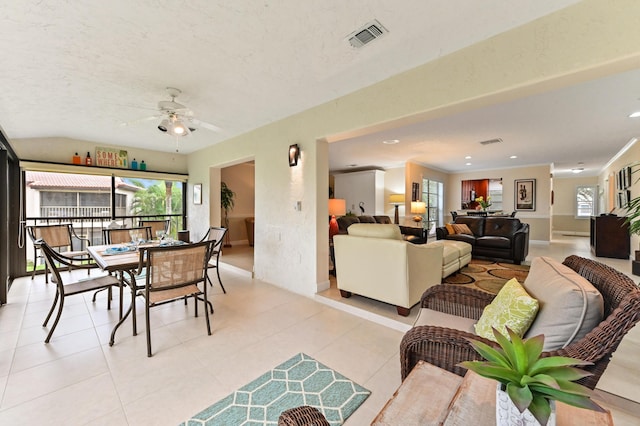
[
  {"x": 363, "y": 189},
  {"x": 609, "y": 236}
]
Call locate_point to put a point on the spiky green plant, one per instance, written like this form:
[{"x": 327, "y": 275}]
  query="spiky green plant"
[
  {"x": 531, "y": 381},
  {"x": 633, "y": 215}
]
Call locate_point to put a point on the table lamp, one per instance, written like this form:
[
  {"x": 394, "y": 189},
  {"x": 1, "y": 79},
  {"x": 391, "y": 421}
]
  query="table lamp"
[
  {"x": 337, "y": 207},
  {"x": 397, "y": 200},
  {"x": 419, "y": 208}
]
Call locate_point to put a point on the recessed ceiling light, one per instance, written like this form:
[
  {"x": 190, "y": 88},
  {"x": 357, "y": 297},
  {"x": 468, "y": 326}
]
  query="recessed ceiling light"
[
  {"x": 468, "y": 157},
  {"x": 634, "y": 114},
  {"x": 351, "y": 165},
  {"x": 513, "y": 156},
  {"x": 391, "y": 141},
  {"x": 467, "y": 164},
  {"x": 577, "y": 170}
]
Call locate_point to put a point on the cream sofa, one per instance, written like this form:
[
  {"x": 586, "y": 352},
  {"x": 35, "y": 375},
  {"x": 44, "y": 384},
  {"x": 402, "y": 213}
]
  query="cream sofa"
[{"x": 374, "y": 261}]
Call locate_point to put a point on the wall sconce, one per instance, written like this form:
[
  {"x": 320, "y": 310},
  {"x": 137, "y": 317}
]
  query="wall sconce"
[
  {"x": 397, "y": 200},
  {"x": 294, "y": 154}
]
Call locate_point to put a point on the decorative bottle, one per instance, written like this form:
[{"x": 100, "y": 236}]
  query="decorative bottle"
[
  {"x": 134, "y": 164},
  {"x": 88, "y": 160},
  {"x": 77, "y": 159},
  {"x": 143, "y": 165}
]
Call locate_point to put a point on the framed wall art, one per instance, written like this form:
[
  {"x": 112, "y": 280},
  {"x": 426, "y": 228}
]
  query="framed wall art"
[
  {"x": 525, "y": 194},
  {"x": 197, "y": 193}
]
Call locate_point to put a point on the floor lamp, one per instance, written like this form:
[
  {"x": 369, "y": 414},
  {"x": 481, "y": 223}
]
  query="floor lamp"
[
  {"x": 418, "y": 208},
  {"x": 397, "y": 200},
  {"x": 337, "y": 207}
]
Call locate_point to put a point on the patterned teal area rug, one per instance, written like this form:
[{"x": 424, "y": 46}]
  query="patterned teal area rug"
[{"x": 299, "y": 381}]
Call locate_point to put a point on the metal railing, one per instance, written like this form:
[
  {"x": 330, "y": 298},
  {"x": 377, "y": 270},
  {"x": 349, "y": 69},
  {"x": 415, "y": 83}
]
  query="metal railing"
[
  {"x": 77, "y": 211},
  {"x": 90, "y": 227}
]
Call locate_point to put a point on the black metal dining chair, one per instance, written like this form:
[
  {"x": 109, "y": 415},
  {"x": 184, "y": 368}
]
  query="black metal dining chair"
[
  {"x": 54, "y": 260},
  {"x": 173, "y": 273},
  {"x": 215, "y": 234}
]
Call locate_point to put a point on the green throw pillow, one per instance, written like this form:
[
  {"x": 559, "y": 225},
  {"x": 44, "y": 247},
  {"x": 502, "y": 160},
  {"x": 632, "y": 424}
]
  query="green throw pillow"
[{"x": 512, "y": 307}]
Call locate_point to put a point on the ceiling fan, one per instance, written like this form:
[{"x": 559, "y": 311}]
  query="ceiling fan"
[{"x": 177, "y": 119}]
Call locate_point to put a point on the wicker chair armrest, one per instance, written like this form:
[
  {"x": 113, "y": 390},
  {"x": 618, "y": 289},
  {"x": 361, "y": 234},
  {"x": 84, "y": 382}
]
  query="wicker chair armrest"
[
  {"x": 456, "y": 300},
  {"x": 439, "y": 346}
]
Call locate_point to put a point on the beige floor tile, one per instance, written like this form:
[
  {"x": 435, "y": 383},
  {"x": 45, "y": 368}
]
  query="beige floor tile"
[{"x": 79, "y": 379}]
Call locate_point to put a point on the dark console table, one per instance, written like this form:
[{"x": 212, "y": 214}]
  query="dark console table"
[{"x": 609, "y": 236}]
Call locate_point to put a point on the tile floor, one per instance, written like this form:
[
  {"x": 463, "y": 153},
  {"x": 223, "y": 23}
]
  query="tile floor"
[{"x": 79, "y": 379}]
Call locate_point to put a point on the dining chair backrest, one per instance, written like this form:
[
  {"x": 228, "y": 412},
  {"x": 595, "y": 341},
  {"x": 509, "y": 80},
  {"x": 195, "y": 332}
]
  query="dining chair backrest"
[
  {"x": 156, "y": 225},
  {"x": 215, "y": 234},
  {"x": 56, "y": 236},
  {"x": 174, "y": 266},
  {"x": 123, "y": 235}
]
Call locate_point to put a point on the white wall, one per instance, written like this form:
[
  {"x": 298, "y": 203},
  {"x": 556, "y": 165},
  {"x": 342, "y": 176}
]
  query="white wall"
[
  {"x": 585, "y": 41},
  {"x": 564, "y": 205}
]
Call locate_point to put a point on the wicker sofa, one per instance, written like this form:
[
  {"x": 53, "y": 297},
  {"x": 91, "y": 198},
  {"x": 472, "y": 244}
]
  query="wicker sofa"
[
  {"x": 495, "y": 238},
  {"x": 446, "y": 346}
]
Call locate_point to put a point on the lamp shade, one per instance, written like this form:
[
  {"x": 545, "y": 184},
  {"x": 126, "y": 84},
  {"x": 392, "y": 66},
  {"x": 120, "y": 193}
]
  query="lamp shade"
[
  {"x": 396, "y": 199},
  {"x": 337, "y": 207},
  {"x": 418, "y": 207}
]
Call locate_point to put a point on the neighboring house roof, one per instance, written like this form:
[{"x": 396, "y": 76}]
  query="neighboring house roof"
[{"x": 50, "y": 180}]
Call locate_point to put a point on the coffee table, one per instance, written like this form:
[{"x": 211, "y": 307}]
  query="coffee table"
[{"x": 433, "y": 396}]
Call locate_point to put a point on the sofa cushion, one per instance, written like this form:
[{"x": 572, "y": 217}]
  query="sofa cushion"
[
  {"x": 493, "y": 242},
  {"x": 366, "y": 219},
  {"x": 383, "y": 219},
  {"x": 461, "y": 228},
  {"x": 440, "y": 319},
  {"x": 512, "y": 307},
  {"x": 501, "y": 226},
  {"x": 466, "y": 238},
  {"x": 345, "y": 221},
  {"x": 376, "y": 230},
  {"x": 570, "y": 306}
]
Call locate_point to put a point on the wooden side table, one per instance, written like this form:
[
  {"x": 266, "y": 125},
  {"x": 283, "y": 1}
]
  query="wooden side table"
[{"x": 433, "y": 396}]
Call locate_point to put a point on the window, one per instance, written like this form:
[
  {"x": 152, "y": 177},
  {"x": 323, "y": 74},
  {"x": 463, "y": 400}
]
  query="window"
[
  {"x": 585, "y": 201},
  {"x": 432, "y": 195}
]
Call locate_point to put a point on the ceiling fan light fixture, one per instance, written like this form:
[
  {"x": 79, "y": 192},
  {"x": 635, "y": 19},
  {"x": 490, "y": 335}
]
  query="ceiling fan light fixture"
[{"x": 164, "y": 125}]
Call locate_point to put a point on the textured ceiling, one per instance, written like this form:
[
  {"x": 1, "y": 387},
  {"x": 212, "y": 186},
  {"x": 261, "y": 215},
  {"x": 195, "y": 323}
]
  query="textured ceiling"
[{"x": 81, "y": 69}]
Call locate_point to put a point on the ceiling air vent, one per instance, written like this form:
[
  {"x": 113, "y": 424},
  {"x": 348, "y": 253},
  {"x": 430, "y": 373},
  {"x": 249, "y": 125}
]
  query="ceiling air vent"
[
  {"x": 367, "y": 34},
  {"x": 490, "y": 141}
]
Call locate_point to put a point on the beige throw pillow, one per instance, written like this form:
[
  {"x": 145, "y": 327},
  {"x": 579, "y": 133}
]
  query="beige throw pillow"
[
  {"x": 461, "y": 228},
  {"x": 570, "y": 306}
]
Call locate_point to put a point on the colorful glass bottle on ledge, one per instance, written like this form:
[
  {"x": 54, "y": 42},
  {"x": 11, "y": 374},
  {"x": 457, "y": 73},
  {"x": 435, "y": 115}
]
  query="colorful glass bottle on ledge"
[
  {"x": 134, "y": 164},
  {"x": 88, "y": 160},
  {"x": 76, "y": 159},
  {"x": 143, "y": 165}
]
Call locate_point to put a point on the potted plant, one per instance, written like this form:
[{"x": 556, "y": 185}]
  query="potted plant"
[
  {"x": 227, "y": 203},
  {"x": 484, "y": 204},
  {"x": 531, "y": 383}
]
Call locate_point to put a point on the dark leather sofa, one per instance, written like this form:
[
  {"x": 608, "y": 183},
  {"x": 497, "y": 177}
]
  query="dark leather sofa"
[
  {"x": 495, "y": 238},
  {"x": 411, "y": 234}
]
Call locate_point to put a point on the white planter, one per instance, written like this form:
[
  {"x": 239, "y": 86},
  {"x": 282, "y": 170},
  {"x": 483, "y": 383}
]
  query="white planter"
[{"x": 507, "y": 414}]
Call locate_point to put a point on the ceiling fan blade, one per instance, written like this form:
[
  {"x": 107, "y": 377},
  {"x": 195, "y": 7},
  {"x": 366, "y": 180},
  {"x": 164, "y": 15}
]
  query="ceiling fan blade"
[
  {"x": 142, "y": 120},
  {"x": 206, "y": 125}
]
